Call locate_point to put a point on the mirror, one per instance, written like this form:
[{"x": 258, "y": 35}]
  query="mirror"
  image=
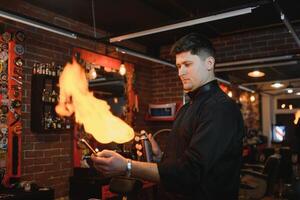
[{"x": 107, "y": 83}]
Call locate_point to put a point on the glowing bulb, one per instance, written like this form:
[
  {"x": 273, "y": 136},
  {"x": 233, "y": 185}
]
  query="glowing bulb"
[
  {"x": 116, "y": 100},
  {"x": 277, "y": 85},
  {"x": 252, "y": 98},
  {"x": 298, "y": 93},
  {"x": 291, "y": 107},
  {"x": 122, "y": 69},
  {"x": 256, "y": 74},
  {"x": 229, "y": 94},
  {"x": 92, "y": 73},
  {"x": 283, "y": 106},
  {"x": 290, "y": 90}
]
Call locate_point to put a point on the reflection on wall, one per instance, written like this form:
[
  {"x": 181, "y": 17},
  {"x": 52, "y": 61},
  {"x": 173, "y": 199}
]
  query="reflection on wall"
[
  {"x": 250, "y": 110},
  {"x": 249, "y": 104}
]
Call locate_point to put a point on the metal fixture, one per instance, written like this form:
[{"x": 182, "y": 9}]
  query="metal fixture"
[
  {"x": 286, "y": 63},
  {"x": 183, "y": 24},
  {"x": 258, "y": 60},
  {"x": 36, "y": 24},
  {"x": 143, "y": 56},
  {"x": 239, "y": 86},
  {"x": 270, "y": 82},
  {"x": 287, "y": 23}
]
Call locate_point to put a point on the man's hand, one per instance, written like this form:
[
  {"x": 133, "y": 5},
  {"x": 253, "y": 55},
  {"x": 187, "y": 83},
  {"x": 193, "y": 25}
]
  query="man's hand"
[
  {"x": 109, "y": 163},
  {"x": 157, "y": 153}
]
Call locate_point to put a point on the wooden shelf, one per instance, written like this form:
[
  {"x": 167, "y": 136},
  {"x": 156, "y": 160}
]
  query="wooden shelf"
[{"x": 39, "y": 107}]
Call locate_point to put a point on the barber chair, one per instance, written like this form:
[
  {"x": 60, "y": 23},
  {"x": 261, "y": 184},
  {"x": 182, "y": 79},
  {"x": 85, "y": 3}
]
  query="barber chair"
[
  {"x": 268, "y": 151},
  {"x": 258, "y": 181},
  {"x": 286, "y": 169},
  {"x": 293, "y": 192}
]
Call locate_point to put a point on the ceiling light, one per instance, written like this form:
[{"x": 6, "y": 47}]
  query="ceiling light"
[
  {"x": 289, "y": 89},
  {"x": 277, "y": 85},
  {"x": 291, "y": 107},
  {"x": 183, "y": 24},
  {"x": 256, "y": 74},
  {"x": 298, "y": 93},
  {"x": 283, "y": 106}
]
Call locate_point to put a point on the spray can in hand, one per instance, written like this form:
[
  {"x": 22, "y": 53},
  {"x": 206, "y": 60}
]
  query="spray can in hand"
[{"x": 147, "y": 149}]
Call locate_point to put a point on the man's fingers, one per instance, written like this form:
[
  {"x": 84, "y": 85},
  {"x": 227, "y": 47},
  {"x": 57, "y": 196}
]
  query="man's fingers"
[
  {"x": 151, "y": 138},
  {"x": 152, "y": 141},
  {"x": 101, "y": 160},
  {"x": 138, "y": 146},
  {"x": 105, "y": 153},
  {"x": 137, "y": 138},
  {"x": 139, "y": 153}
]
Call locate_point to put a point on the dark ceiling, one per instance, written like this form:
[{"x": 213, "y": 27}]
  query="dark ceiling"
[{"x": 119, "y": 17}]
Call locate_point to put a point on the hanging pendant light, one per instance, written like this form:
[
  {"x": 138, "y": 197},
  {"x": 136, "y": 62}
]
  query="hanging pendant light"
[
  {"x": 122, "y": 69},
  {"x": 289, "y": 89}
]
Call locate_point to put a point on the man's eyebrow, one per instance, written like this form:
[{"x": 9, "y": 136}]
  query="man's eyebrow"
[{"x": 184, "y": 62}]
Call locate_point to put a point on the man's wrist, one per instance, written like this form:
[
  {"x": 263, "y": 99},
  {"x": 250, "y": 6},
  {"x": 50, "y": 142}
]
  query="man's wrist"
[{"x": 128, "y": 167}]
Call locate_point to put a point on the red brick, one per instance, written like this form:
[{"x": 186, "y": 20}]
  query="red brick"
[
  {"x": 33, "y": 154},
  {"x": 33, "y": 169}
]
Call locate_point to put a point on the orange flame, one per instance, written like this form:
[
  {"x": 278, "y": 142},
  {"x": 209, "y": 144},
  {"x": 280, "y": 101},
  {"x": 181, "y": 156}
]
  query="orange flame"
[
  {"x": 297, "y": 116},
  {"x": 93, "y": 113}
]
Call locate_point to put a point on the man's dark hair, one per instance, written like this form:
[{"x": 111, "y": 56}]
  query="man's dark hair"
[{"x": 196, "y": 43}]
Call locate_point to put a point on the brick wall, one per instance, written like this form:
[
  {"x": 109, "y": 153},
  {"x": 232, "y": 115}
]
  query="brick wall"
[
  {"x": 261, "y": 43},
  {"x": 47, "y": 158},
  {"x": 251, "y": 44}
]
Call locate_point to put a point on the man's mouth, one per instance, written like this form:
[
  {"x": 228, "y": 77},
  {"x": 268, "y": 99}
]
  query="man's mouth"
[{"x": 185, "y": 80}]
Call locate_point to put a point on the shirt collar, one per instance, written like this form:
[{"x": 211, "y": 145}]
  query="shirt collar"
[{"x": 204, "y": 88}]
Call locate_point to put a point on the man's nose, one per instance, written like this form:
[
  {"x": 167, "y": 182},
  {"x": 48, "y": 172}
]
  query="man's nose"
[{"x": 181, "y": 71}]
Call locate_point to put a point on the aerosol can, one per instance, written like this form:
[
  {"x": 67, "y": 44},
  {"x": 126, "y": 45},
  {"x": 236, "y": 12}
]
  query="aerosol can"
[{"x": 147, "y": 149}]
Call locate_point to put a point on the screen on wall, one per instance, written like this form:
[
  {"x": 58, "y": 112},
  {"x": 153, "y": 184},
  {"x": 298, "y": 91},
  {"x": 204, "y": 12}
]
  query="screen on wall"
[{"x": 278, "y": 134}]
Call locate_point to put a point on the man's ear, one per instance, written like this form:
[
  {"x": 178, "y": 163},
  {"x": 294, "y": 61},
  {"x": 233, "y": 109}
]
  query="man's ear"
[{"x": 210, "y": 63}]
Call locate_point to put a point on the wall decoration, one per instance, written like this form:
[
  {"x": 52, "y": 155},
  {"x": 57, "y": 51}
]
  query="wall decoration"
[{"x": 11, "y": 76}]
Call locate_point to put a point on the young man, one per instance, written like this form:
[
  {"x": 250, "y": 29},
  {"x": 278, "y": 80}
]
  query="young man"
[{"x": 203, "y": 155}]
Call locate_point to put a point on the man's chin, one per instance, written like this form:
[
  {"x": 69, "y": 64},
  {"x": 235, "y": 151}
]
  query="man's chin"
[{"x": 187, "y": 89}]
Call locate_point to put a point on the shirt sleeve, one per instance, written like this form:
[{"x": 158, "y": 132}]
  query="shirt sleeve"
[{"x": 214, "y": 133}]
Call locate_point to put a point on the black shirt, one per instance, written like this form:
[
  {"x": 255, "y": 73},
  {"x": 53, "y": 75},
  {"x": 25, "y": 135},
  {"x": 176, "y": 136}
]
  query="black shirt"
[{"x": 203, "y": 155}]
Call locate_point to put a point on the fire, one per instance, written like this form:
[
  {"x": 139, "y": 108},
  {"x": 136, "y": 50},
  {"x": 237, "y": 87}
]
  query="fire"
[
  {"x": 93, "y": 113},
  {"x": 297, "y": 116}
]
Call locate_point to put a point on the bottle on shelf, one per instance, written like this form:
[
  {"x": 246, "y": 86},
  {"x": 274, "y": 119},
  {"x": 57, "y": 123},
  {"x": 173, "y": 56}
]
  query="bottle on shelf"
[
  {"x": 53, "y": 69},
  {"x": 34, "y": 69}
]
